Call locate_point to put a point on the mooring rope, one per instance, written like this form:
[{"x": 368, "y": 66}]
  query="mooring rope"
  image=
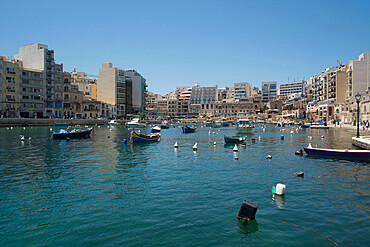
[{"x": 328, "y": 238}]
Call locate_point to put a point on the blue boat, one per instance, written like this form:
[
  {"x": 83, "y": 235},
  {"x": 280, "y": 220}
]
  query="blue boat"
[
  {"x": 165, "y": 125},
  {"x": 225, "y": 124},
  {"x": 140, "y": 137},
  {"x": 188, "y": 129},
  {"x": 75, "y": 133},
  {"x": 233, "y": 139},
  {"x": 338, "y": 153}
]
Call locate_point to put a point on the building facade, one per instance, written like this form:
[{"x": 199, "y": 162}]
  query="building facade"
[{"x": 269, "y": 91}]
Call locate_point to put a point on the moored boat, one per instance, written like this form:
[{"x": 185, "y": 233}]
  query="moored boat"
[
  {"x": 140, "y": 137},
  {"x": 188, "y": 129},
  {"x": 216, "y": 124},
  {"x": 75, "y": 133},
  {"x": 225, "y": 124},
  {"x": 156, "y": 129},
  {"x": 233, "y": 139},
  {"x": 165, "y": 125},
  {"x": 114, "y": 122},
  {"x": 135, "y": 123},
  {"x": 340, "y": 153},
  {"x": 244, "y": 126}
]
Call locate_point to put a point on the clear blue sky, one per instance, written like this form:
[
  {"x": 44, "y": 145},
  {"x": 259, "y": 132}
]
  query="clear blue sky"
[{"x": 175, "y": 43}]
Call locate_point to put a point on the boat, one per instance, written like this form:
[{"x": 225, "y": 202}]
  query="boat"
[
  {"x": 140, "y": 137},
  {"x": 114, "y": 122},
  {"x": 244, "y": 126},
  {"x": 165, "y": 125},
  {"x": 156, "y": 129},
  {"x": 233, "y": 139},
  {"x": 75, "y": 133},
  {"x": 304, "y": 126},
  {"x": 216, "y": 124},
  {"x": 209, "y": 122},
  {"x": 340, "y": 153},
  {"x": 188, "y": 129},
  {"x": 60, "y": 124},
  {"x": 135, "y": 123},
  {"x": 225, "y": 124}
]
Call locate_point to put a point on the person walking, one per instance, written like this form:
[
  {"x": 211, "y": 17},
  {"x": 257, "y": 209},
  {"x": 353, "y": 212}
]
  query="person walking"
[{"x": 367, "y": 125}]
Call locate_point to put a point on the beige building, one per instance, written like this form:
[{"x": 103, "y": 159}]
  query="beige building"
[
  {"x": 9, "y": 88},
  {"x": 85, "y": 84},
  {"x": 358, "y": 76}
]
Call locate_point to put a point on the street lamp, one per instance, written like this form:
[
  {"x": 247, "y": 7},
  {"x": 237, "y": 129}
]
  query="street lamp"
[{"x": 358, "y": 99}]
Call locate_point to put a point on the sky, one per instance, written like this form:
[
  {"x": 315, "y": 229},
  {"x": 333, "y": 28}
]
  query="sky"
[{"x": 176, "y": 43}]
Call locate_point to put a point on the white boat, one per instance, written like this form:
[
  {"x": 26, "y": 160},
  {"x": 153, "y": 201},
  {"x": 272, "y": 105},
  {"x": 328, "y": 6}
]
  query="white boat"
[
  {"x": 156, "y": 129},
  {"x": 244, "y": 126},
  {"x": 114, "y": 122},
  {"x": 216, "y": 124},
  {"x": 135, "y": 123}
]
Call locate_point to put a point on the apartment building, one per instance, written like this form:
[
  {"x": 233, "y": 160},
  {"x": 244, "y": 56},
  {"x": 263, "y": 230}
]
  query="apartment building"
[
  {"x": 358, "y": 76},
  {"x": 206, "y": 97},
  {"x": 242, "y": 90},
  {"x": 269, "y": 91},
  {"x": 9, "y": 88},
  {"x": 139, "y": 91},
  {"x": 114, "y": 86},
  {"x": 85, "y": 84},
  {"x": 297, "y": 87}
]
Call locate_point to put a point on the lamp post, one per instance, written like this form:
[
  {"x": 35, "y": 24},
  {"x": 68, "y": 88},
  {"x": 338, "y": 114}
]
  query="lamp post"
[{"x": 358, "y": 99}]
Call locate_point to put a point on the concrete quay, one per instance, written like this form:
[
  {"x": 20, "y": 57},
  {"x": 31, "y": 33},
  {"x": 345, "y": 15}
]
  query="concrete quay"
[
  {"x": 9, "y": 122},
  {"x": 361, "y": 142}
]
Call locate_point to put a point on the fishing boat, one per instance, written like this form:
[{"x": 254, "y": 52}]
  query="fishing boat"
[
  {"x": 233, "y": 139},
  {"x": 188, "y": 129},
  {"x": 75, "y": 133},
  {"x": 135, "y": 123},
  {"x": 225, "y": 124},
  {"x": 60, "y": 124},
  {"x": 165, "y": 125},
  {"x": 156, "y": 129},
  {"x": 114, "y": 122},
  {"x": 244, "y": 126},
  {"x": 340, "y": 153},
  {"x": 209, "y": 122},
  {"x": 140, "y": 137},
  {"x": 216, "y": 124}
]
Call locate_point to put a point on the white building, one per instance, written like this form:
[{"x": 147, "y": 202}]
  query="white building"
[
  {"x": 297, "y": 87},
  {"x": 242, "y": 90},
  {"x": 358, "y": 76}
]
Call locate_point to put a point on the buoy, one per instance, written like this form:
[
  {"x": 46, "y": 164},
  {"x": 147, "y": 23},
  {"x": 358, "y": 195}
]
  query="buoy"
[
  {"x": 299, "y": 174},
  {"x": 51, "y": 129},
  {"x": 263, "y": 130},
  {"x": 209, "y": 132},
  {"x": 322, "y": 137},
  {"x": 244, "y": 145},
  {"x": 110, "y": 129},
  {"x": 247, "y": 210},
  {"x": 124, "y": 141},
  {"x": 214, "y": 144},
  {"x": 22, "y": 138},
  {"x": 299, "y": 152},
  {"x": 11, "y": 128},
  {"x": 108, "y": 136},
  {"x": 253, "y": 140},
  {"x": 282, "y": 137},
  {"x": 235, "y": 149},
  {"x": 67, "y": 139},
  {"x": 176, "y": 145},
  {"x": 259, "y": 138},
  {"x": 24, "y": 128},
  {"x": 291, "y": 132},
  {"x": 280, "y": 189},
  {"x": 219, "y": 130},
  {"x": 269, "y": 157},
  {"x": 213, "y": 132},
  {"x": 29, "y": 138},
  {"x": 195, "y": 147},
  {"x": 236, "y": 158}
]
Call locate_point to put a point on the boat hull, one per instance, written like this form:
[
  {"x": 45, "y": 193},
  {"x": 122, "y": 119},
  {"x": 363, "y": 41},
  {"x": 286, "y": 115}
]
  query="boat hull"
[
  {"x": 233, "y": 139},
  {"x": 78, "y": 134},
  {"x": 358, "y": 154},
  {"x": 138, "y": 137},
  {"x": 188, "y": 129},
  {"x": 136, "y": 125}
]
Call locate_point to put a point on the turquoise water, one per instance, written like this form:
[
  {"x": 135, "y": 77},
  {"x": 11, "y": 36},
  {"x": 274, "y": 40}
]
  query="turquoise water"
[{"x": 100, "y": 192}]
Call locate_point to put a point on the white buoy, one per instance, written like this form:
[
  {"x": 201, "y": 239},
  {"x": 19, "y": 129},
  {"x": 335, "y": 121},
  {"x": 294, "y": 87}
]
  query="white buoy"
[
  {"x": 269, "y": 157},
  {"x": 280, "y": 189},
  {"x": 29, "y": 138},
  {"x": 235, "y": 149},
  {"x": 22, "y": 138},
  {"x": 195, "y": 147},
  {"x": 11, "y": 128},
  {"x": 322, "y": 137},
  {"x": 7, "y": 128},
  {"x": 291, "y": 132},
  {"x": 176, "y": 145},
  {"x": 51, "y": 129},
  {"x": 309, "y": 145},
  {"x": 264, "y": 130},
  {"x": 209, "y": 132},
  {"x": 24, "y": 128}
]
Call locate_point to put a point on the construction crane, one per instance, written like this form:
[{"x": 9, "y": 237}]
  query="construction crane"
[{"x": 340, "y": 64}]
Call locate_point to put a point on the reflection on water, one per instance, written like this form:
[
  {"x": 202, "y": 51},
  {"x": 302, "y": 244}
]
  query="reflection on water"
[
  {"x": 279, "y": 200},
  {"x": 248, "y": 227}
]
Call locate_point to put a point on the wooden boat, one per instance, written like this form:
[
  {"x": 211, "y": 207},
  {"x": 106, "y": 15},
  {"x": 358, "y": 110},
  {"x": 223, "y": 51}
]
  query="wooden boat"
[
  {"x": 140, "y": 137},
  {"x": 75, "y": 133},
  {"x": 156, "y": 129},
  {"x": 165, "y": 125},
  {"x": 340, "y": 153},
  {"x": 244, "y": 126},
  {"x": 233, "y": 139},
  {"x": 188, "y": 129},
  {"x": 60, "y": 124}
]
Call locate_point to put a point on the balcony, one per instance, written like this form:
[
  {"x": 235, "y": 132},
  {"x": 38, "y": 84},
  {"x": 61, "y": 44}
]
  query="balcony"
[
  {"x": 31, "y": 93},
  {"x": 58, "y": 89},
  {"x": 51, "y": 98},
  {"x": 32, "y": 101},
  {"x": 31, "y": 77},
  {"x": 10, "y": 100},
  {"x": 10, "y": 91},
  {"x": 23, "y": 84},
  {"x": 49, "y": 92},
  {"x": 50, "y": 84}
]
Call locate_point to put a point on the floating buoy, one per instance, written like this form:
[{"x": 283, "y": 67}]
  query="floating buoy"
[
  {"x": 253, "y": 140},
  {"x": 124, "y": 141},
  {"x": 110, "y": 129},
  {"x": 213, "y": 132},
  {"x": 291, "y": 132},
  {"x": 176, "y": 145},
  {"x": 195, "y": 147},
  {"x": 244, "y": 145},
  {"x": 108, "y": 136},
  {"x": 29, "y": 138},
  {"x": 259, "y": 138},
  {"x": 7, "y": 128},
  {"x": 214, "y": 144},
  {"x": 263, "y": 130},
  {"x": 299, "y": 152},
  {"x": 322, "y": 137},
  {"x": 209, "y": 132},
  {"x": 67, "y": 139},
  {"x": 236, "y": 158},
  {"x": 24, "y": 128},
  {"x": 11, "y": 128},
  {"x": 282, "y": 137},
  {"x": 280, "y": 189},
  {"x": 235, "y": 149},
  {"x": 269, "y": 157},
  {"x": 299, "y": 174},
  {"x": 247, "y": 210},
  {"x": 22, "y": 138},
  {"x": 51, "y": 129},
  {"x": 219, "y": 130}
]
